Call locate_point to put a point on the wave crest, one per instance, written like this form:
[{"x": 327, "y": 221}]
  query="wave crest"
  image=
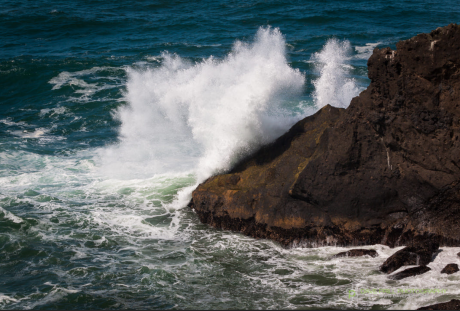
[{"x": 200, "y": 117}]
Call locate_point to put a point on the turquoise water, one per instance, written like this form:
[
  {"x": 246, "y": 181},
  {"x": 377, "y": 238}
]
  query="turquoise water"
[{"x": 112, "y": 113}]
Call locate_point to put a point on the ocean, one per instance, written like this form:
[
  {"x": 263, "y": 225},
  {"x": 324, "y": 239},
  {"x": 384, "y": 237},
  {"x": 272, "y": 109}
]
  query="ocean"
[{"x": 112, "y": 112}]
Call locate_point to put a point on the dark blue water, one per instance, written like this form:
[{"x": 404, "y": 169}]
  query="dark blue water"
[{"x": 111, "y": 113}]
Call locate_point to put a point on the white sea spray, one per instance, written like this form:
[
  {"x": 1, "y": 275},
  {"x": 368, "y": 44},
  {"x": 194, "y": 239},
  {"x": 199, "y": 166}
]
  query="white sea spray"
[
  {"x": 334, "y": 86},
  {"x": 202, "y": 116}
]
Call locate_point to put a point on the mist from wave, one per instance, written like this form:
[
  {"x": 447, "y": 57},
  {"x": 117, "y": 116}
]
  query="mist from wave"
[
  {"x": 201, "y": 117},
  {"x": 333, "y": 86}
]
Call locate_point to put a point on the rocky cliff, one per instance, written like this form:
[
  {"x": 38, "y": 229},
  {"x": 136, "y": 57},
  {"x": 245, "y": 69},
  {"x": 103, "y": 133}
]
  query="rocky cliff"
[{"x": 385, "y": 170}]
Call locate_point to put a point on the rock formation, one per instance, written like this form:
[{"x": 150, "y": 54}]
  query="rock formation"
[
  {"x": 419, "y": 254},
  {"x": 385, "y": 170},
  {"x": 357, "y": 253},
  {"x": 410, "y": 272},
  {"x": 450, "y": 268}
]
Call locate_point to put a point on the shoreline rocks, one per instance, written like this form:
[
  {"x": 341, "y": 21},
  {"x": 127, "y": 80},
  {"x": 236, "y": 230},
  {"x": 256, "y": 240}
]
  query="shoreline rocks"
[
  {"x": 410, "y": 272},
  {"x": 419, "y": 254},
  {"x": 386, "y": 170},
  {"x": 450, "y": 268},
  {"x": 357, "y": 253}
]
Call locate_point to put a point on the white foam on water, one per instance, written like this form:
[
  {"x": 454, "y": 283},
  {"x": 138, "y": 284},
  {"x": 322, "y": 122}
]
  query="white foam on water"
[
  {"x": 6, "y": 299},
  {"x": 8, "y": 122},
  {"x": 67, "y": 78},
  {"x": 56, "y": 294},
  {"x": 11, "y": 216},
  {"x": 365, "y": 51},
  {"x": 50, "y": 112},
  {"x": 37, "y": 133},
  {"x": 334, "y": 87},
  {"x": 86, "y": 83},
  {"x": 70, "y": 78},
  {"x": 127, "y": 208},
  {"x": 313, "y": 276},
  {"x": 156, "y": 59}
]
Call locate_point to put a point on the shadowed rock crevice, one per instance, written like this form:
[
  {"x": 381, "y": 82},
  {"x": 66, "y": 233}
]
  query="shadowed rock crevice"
[{"x": 385, "y": 170}]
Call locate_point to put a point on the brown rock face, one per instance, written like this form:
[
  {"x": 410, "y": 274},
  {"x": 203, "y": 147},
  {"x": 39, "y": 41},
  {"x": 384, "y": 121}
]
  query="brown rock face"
[
  {"x": 450, "y": 268},
  {"x": 384, "y": 170}
]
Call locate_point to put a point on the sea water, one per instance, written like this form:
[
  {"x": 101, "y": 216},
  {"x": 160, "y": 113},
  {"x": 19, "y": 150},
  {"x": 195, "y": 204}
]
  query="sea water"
[{"x": 111, "y": 113}]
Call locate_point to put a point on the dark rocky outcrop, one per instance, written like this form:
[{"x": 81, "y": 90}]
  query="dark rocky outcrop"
[
  {"x": 385, "y": 170},
  {"x": 454, "y": 304},
  {"x": 450, "y": 268},
  {"x": 409, "y": 272},
  {"x": 420, "y": 253},
  {"x": 357, "y": 253}
]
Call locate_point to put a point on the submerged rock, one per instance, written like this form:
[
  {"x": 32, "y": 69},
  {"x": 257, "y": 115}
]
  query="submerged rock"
[
  {"x": 410, "y": 272},
  {"x": 454, "y": 304},
  {"x": 357, "y": 253},
  {"x": 420, "y": 253},
  {"x": 450, "y": 268},
  {"x": 385, "y": 170}
]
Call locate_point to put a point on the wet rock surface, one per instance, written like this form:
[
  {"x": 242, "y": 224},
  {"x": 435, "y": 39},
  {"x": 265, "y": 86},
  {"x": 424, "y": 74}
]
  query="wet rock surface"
[
  {"x": 385, "y": 170},
  {"x": 454, "y": 304},
  {"x": 419, "y": 253},
  {"x": 410, "y": 272},
  {"x": 357, "y": 253},
  {"x": 450, "y": 268}
]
